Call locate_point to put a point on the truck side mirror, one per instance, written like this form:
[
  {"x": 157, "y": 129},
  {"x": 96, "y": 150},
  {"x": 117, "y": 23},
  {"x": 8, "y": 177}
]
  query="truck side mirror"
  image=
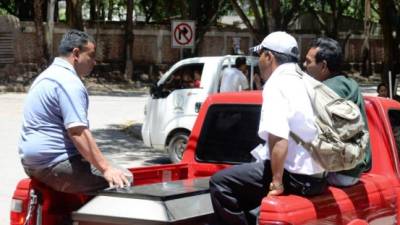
[{"x": 155, "y": 91}]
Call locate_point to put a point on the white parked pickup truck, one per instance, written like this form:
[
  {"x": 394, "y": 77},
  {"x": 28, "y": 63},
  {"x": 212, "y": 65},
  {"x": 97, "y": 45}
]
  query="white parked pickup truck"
[{"x": 175, "y": 100}]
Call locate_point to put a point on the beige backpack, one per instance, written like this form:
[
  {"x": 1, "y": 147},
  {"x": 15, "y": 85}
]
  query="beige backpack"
[{"x": 342, "y": 139}]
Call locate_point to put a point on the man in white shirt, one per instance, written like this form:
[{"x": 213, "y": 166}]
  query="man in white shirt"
[
  {"x": 234, "y": 78},
  {"x": 286, "y": 166}
]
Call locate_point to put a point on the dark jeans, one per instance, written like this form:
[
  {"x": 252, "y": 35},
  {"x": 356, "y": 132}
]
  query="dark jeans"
[
  {"x": 238, "y": 190},
  {"x": 74, "y": 175}
]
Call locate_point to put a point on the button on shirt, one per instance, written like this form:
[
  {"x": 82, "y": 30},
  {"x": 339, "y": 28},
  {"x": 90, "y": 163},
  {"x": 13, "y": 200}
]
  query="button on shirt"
[
  {"x": 57, "y": 100},
  {"x": 286, "y": 107},
  {"x": 233, "y": 80}
]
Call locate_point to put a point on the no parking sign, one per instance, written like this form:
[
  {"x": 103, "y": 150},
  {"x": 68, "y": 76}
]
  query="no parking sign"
[{"x": 183, "y": 33}]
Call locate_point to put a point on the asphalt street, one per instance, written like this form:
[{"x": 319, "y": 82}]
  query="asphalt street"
[{"x": 108, "y": 115}]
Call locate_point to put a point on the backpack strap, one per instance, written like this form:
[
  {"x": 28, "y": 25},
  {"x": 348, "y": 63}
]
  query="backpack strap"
[
  {"x": 307, "y": 84},
  {"x": 300, "y": 141},
  {"x": 295, "y": 137}
]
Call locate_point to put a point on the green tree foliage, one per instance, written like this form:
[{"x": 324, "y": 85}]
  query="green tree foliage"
[
  {"x": 269, "y": 15},
  {"x": 329, "y": 13},
  {"x": 23, "y": 9}
]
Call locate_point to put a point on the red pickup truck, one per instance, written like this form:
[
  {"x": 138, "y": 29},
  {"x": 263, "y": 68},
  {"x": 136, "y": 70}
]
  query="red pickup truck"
[{"x": 224, "y": 134}]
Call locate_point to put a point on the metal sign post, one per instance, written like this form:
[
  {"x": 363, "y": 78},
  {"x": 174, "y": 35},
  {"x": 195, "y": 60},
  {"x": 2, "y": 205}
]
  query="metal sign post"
[{"x": 390, "y": 85}]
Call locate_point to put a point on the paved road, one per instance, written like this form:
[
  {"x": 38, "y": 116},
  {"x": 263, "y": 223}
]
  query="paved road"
[{"x": 107, "y": 115}]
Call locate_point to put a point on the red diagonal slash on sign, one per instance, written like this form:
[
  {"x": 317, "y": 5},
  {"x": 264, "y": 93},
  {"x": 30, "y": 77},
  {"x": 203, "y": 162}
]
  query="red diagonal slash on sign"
[{"x": 183, "y": 34}]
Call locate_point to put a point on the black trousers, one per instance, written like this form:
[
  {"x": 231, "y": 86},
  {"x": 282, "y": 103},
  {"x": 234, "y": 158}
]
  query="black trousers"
[{"x": 239, "y": 189}]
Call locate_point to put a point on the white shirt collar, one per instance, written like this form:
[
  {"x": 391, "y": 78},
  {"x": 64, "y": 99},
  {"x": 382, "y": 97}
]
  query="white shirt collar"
[
  {"x": 282, "y": 67},
  {"x": 58, "y": 61}
]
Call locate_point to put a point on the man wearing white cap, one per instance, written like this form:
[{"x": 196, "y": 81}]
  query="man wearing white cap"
[{"x": 285, "y": 165}]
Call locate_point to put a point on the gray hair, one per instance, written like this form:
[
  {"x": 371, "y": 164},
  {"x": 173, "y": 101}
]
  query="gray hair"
[
  {"x": 283, "y": 58},
  {"x": 73, "y": 39}
]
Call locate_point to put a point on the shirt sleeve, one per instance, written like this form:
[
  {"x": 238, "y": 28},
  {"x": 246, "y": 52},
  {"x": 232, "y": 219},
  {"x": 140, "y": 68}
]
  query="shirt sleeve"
[
  {"x": 274, "y": 114},
  {"x": 73, "y": 101},
  {"x": 243, "y": 82}
]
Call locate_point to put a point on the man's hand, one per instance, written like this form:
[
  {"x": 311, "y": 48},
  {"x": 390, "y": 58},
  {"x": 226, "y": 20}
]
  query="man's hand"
[
  {"x": 116, "y": 177},
  {"x": 275, "y": 189}
]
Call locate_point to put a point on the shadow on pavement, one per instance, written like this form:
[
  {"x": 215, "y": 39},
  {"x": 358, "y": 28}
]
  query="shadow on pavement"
[
  {"x": 118, "y": 93},
  {"x": 97, "y": 89},
  {"x": 127, "y": 150}
]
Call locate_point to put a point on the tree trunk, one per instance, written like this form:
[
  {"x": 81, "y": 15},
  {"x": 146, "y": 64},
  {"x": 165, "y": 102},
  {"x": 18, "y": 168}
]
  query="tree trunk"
[
  {"x": 129, "y": 42},
  {"x": 275, "y": 15},
  {"x": 56, "y": 16},
  {"x": 387, "y": 12},
  {"x": 101, "y": 11},
  {"x": 93, "y": 14},
  {"x": 50, "y": 27},
  {"x": 245, "y": 20},
  {"x": 40, "y": 39},
  {"x": 257, "y": 15},
  {"x": 291, "y": 15},
  {"x": 365, "y": 50},
  {"x": 74, "y": 14},
  {"x": 110, "y": 9}
]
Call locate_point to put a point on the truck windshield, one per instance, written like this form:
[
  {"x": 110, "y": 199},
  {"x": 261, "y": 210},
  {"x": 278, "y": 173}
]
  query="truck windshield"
[
  {"x": 394, "y": 116},
  {"x": 229, "y": 133}
]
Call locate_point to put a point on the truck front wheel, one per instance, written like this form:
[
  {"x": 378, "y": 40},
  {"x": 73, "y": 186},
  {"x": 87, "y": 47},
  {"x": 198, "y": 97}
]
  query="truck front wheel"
[{"x": 177, "y": 146}]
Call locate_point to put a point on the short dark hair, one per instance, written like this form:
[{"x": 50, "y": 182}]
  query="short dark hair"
[
  {"x": 330, "y": 51},
  {"x": 283, "y": 58},
  {"x": 379, "y": 86},
  {"x": 240, "y": 61},
  {"x": 73, "y": 39}
]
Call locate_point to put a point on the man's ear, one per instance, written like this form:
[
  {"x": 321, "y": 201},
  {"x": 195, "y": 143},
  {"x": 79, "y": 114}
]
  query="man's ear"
[
  {"x": 75, "y": 53},
  {"x": 325, "y": 66},
  {"x": 270, "y": 56}
]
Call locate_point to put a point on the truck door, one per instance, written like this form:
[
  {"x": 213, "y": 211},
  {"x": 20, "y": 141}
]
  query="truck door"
[{"x": 173, "y": 105}]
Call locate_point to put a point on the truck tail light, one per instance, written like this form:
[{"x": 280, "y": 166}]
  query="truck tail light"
[
  {"x": 23, "y": 212},
  {"x": 17, "y": 217},
  {"x": 16, "y": 205}
]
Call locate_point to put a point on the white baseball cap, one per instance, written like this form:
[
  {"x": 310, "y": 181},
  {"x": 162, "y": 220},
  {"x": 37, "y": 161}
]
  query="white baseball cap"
[{"x": 280, "y": 42}]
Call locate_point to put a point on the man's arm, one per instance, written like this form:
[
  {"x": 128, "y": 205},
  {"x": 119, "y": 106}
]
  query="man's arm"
[
  {"x": 86, "y": 145},
  {"x": 278, "y": 151}
]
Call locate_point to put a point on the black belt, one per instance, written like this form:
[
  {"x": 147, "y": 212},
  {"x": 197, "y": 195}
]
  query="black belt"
[{"x": 319, "y": 175}]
